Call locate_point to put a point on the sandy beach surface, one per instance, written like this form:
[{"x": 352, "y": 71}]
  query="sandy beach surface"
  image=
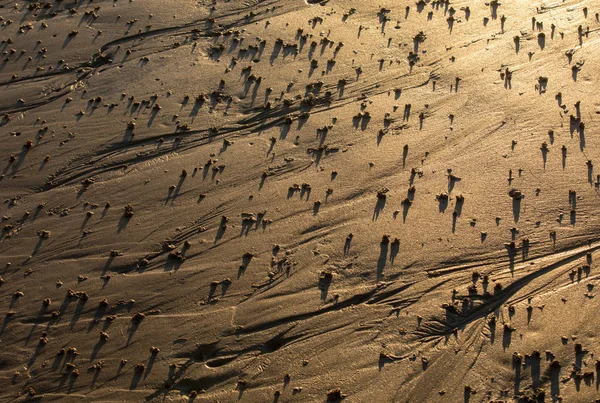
[{"x": 293, "y": 201}]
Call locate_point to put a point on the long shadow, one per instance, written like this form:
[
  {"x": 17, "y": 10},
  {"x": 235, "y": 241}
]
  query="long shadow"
[
  {"x": 67, "y": 40},
  {"x": 123, "y": 223},
  {"x": 365, "y": 122},
  {"x": 512, "y": 253},
  {"x": 106, "y": 325},
  {"x": 35, "y": 325},
  {"x": 383, "y": 19},
  {"x": 133, "y": 327},
  {"x": 380, "y": 137},
  {"x": 72, "y": 379},
  {"x": 452, "y": 182},
  {"x": 395, "y": 249},
  {"x": 213, "y": 287},
  {"x": 246, "y": 259},
  {"x": 101, "y": 342},
  {"x": 378, "y": 207},
  {"x": 454, "y": 219},
  {"x": 347, "y": 244},
  {"x": 329, "y": 66},
  {"x": 206, "y": 170},
  {"x": 573, "y": 124},
  {"x": 174, "y": 262},
  {"x": 516, "y": 207},
  {"x": 19, "y": 161},
  {"x": 508, "y": 79},
  {"x": 442, "y": 204},
  {"x": 276, "y": 49},
  {"x": 322, "y": 135},
  {"x": 224, "y": 287},
  {"x": 517, "y": 368},
  {"x": 525, "y": 249},
  {"x": 460, "y": 201},
  {"x": 95, "y": 377},
  {"x": 37, "y": 247},
  {"x": 533, "y": 362},
  {"x": 78, "y": 310},
  {"x": 554, "y": 381},
  {"x": 255, "y": 92},
  {"x": 467, "y": 395},
  {"x": 153, "y": 114},
  {"x": 137, "y": 377},
  {"x": 450, "y": 20},
  {"x": 574, "y": 72},
  {"x": 13, "y": 301},
  {"x": 541, "y": 40},
  {"x": 7, "y": 167},
  {"x": 151, "y": 361},
  {"x": 63, "y": 307},
  {"x": 341, "y": 87},
  {"x": 128, "y": 135},
  {"x": 107, "y": 264},
  {"x": 579, "y": 355},
  {"x": 220, "y": 232},
  {"x": 324, "y": 284},
  {"x": 247, "y": 86},
  {"x": 284, "y": 129},
  {"x": 196, "y": 108},
  {"x": 544, "y": 156},
  {"x": 305, "y": 191},
  {"x": 86, "y": 219},
  {"x": 35, "y": 355},
  {"x": 381, "y": 261},
  {"x": 494, "y": 9},
  {"x": 311, "y": 50},
  {"x": 177, "y": 188},
  {"x": 57, "y": 362},
  {"x": 405, "y": 208},
  {"x": 492, "y": 327},
  {"x": 301, "y": 121},
  {"x": 100, "y": 311}
]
